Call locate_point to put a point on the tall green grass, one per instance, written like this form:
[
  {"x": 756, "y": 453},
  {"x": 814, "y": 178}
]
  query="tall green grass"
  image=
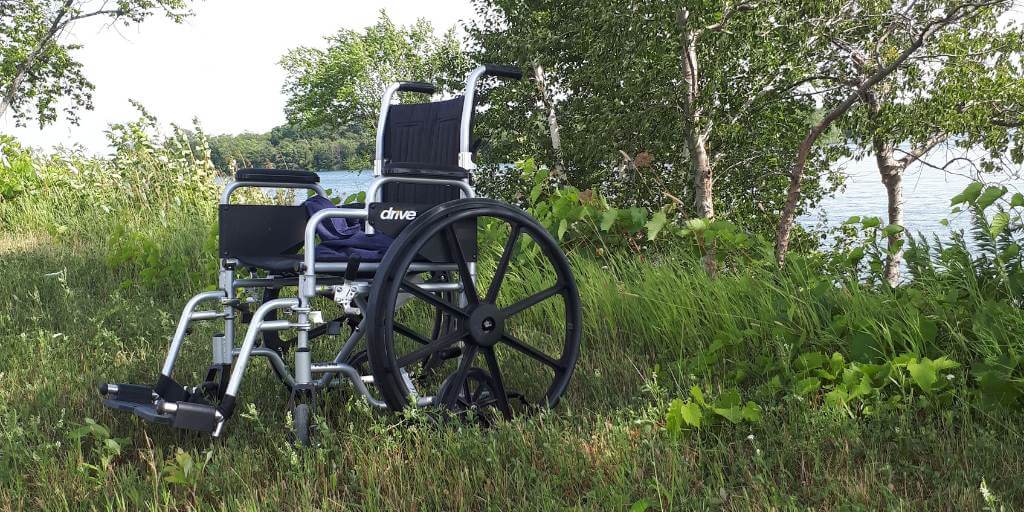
[{"x": 79, "y": 310}]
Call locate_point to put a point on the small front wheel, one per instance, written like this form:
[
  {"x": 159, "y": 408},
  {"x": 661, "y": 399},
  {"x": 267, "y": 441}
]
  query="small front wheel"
[{"x": 301, "y": 420}]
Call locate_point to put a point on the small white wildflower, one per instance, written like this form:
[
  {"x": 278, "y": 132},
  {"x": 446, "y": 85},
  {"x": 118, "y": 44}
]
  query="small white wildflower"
[
  {"x": 950, "y": 376},
  {"x": 750, "y": 437},
  {"x": 985, "y": 492},
  {"x": 757, "y": 452}
]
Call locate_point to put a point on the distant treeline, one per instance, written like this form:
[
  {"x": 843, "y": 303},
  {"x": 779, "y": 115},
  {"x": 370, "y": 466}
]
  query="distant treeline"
[{"x": 290, "y": 147}]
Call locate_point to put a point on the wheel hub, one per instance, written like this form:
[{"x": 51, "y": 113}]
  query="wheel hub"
[{"x": 486, "y": 325}]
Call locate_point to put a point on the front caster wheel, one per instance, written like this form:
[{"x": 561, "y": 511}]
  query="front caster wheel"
[
  {"x": 515, "y": 312},
  {"x": 301, "y": 420}
]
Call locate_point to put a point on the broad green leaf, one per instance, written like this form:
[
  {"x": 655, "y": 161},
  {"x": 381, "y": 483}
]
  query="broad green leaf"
[
  {"x": 893, "y": 229},
  {"x": 1017, "y": 200},
  {"x": 806, "y": 386},
  {"x": 674, "y": 417},
  {"x": 923, "y": 373},
  {"x": 655, "y": 225},
  {"x": 809, "y": 361},
  {"x": 535, "y": 192},
  {"x": 729, "y": 398},
  {"x": 837, "y": 396},
  {"x": 682, "y": 413},
  {"x": 692, "y": 414},
  {"x": 871, "y": 222},
  {"x": 608, "y": 219},
  {"x": 752, "y": 412},
  {"x": 640, "y": 506},
  {"x": 563, "y": 226},
  {"x": 968, "y": 195},
  {"x": 698, "y": 395},
  {"x": 999, "y": 222},
  {"x": 697, "y": 225},
  {"x": 855, "y": 255},
  {"x": 734, "y": 414},
  {"x": 990, "y": 195}
]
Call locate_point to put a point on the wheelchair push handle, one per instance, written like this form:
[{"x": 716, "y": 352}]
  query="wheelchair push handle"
[
  {"x": 420, "y": 87},
  {"x": 503, "y": 71}
]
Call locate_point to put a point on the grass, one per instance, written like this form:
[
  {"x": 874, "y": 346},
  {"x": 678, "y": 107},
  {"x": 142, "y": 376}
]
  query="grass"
[
  {"x": 98, "y": 256},
  {"x": 71, "y": 324}
]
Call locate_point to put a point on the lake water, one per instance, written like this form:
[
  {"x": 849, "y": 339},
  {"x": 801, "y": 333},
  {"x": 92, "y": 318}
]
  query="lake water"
[{"x": 926, "y": 196}]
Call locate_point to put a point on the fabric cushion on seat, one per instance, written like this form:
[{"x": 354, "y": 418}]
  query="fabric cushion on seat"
[
  {"x": 427, "y": 170},
  {"x": 277, "y": 176},
  {"x": 342, "y": 238}
]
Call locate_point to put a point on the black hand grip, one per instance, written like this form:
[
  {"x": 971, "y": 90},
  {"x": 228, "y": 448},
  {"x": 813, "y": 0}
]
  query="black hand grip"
[
  {"x": 421, "y": 87},
  {"x": 504, "y": 71}
]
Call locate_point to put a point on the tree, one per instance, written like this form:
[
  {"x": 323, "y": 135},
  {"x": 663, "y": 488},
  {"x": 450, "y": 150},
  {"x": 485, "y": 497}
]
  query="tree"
[
  {"x": 290, "y": 147},
  {"x": 697, "y": 96},
  {"x": 860, "y": 47},
  {"x": 37, "y": 70},
  {"x": 343, "y": 83},
  {"x": 964, "y": 92}
]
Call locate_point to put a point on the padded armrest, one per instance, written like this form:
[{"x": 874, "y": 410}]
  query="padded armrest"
[
  {"x": 277, "y": 176},
  {"x": 417, "y": 170}
]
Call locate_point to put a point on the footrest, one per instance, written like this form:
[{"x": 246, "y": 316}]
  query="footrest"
[
  {"x": 192, "y": 416},
  {"x": 146, "y": 411},
  {"x": 133, "y": 393}
]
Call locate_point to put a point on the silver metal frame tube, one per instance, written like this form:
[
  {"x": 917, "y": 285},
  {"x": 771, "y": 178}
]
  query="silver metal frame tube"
[
  {"x": 255, "y": 326},
  {"x": 355, "y": 378},
  {"x": 385, "y": 105},
  {"x": 466, "y": 123},
  {"x": 183, "y": 322}
]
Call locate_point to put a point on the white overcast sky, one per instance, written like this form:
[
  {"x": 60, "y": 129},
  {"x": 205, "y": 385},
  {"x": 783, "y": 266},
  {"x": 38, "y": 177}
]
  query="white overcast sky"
[{"x": 219, "y": 65}]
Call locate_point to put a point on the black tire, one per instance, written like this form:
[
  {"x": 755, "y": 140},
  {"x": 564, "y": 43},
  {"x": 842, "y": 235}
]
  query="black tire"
[
  {"x": 301, "y": 421},
  {"x": 480, "y": 325}
]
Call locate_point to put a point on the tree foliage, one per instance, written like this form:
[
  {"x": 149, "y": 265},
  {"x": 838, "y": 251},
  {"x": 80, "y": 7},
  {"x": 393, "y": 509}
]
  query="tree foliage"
[
  {"x": 616, "y": 69},
  {"x": 290, "y": 147},
  {"x": 342, "y": 84},
  {"x": 38, "y": 71}
]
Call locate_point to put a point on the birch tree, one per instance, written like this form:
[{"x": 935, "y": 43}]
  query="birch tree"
[{"x": 38, "y": 69}]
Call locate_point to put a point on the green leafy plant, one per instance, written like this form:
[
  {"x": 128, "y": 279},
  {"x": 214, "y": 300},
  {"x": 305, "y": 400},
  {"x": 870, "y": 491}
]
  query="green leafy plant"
[
  {"x": 698, "y": 410},
  {"x": 103, "y": 451}
]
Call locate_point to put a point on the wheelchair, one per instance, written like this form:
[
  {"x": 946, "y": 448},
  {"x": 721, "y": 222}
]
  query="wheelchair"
[{"x": 453, "y": 302}]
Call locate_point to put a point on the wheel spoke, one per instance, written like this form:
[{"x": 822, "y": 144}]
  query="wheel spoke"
[
  {"x": 434, "y": 346},
  {"x": 515, "y": 343},
  {"x": 533, "y": 300},
  {"x": 459, "y": 376},
  {"x": 432, "y": 299},
  {"x": 465, "y": 277},
  {"x": 499, "y": 272},
  {"x": 499, "y": 393},
  {"x": 411, "y": 334}
]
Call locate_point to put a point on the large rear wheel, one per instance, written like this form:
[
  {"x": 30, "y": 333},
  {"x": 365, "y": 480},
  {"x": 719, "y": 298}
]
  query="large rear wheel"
[{"x": 514, "y": 319}]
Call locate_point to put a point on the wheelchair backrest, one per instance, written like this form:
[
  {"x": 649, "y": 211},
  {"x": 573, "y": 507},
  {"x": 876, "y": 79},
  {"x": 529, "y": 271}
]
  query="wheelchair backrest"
[
  {"x": 423, "y": 133},
  {"x": 421, "y": 140}
]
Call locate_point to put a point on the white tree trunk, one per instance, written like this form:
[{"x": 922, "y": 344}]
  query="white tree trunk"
[{"x": 549, "y": 105}]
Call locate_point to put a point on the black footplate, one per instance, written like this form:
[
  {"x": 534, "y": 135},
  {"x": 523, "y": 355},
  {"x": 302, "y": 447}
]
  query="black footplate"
[
  {"x": 199, "y": 417},
  {"x": 146, "y": 411}
]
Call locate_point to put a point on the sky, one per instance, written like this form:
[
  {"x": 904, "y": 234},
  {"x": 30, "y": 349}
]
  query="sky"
[{"x": 219, "y": 65}]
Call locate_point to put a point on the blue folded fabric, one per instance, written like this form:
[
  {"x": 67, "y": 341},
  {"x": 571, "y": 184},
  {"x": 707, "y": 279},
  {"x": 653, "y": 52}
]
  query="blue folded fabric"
[{"x": 342, "y": 239}]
